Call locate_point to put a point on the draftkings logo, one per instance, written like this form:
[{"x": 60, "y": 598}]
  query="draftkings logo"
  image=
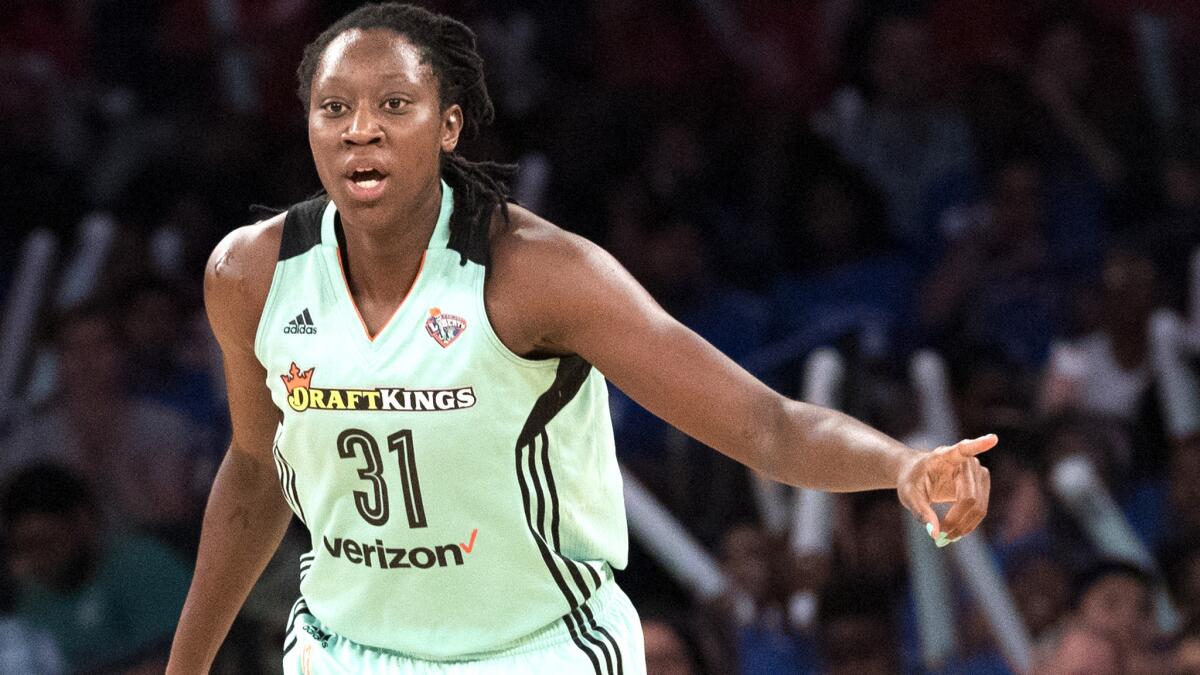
[{"x": 301, "y": 396}]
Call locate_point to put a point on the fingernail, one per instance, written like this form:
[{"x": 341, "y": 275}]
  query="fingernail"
[
  {"x": 929, "y": 528},
  {"x": 942, "y": 543},
  {"x": 955, "y": 539}
]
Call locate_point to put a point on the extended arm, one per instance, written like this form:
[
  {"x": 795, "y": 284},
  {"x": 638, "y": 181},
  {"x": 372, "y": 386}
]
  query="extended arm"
[
  {"x": 572, "y": 297},
  {"x": 246, "y": 515}
]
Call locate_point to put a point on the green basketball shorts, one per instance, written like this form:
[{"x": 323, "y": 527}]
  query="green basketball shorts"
[{"x": 602, "y": 637}]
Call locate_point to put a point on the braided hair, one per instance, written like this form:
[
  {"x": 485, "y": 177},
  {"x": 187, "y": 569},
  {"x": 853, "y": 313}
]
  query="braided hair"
[{"x": 448, "y": 46}]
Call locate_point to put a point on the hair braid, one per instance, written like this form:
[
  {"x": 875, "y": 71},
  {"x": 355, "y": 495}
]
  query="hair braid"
[{"x": 449, "y": 47}]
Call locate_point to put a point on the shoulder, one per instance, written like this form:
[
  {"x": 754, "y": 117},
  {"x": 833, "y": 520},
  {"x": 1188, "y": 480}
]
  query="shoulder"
[
  {"x": 546, "y": 266},
  {"x": 531, "y": 248},
  {"x": 245, "y": 258},
  {"x": 545, "y": 284},
  {"x": 238, "y": 276}
]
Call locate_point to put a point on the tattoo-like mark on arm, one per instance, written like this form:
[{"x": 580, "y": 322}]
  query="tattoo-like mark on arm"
[{"x": 240, "y": 517}]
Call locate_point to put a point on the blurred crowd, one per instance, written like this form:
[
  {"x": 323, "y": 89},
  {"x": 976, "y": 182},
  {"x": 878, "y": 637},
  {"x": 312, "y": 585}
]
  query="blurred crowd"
[{"x": 1014, "y": 184}]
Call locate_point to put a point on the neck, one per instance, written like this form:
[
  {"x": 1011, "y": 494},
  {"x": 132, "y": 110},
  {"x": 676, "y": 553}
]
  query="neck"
[{"x": 380, "y": 261}]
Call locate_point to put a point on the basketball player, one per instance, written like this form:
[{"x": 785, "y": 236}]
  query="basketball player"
[{"x": 418, "y": 364}]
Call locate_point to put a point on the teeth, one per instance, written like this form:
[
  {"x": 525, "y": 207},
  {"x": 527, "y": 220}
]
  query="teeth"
[{"x": 367, "y": 183}]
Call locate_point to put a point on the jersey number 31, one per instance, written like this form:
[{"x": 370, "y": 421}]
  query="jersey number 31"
[{"x": 373, "y": 505}]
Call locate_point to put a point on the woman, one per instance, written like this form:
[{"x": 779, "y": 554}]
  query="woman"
[{"x": 434, "y": 409}]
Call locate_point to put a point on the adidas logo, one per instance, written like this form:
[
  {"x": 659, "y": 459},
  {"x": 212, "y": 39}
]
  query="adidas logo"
[{"x": 301, "y": 325}]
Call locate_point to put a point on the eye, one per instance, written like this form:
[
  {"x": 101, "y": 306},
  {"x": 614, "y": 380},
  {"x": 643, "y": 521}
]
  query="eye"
[
  {"x": 395, "y": 103},
  {"x": 334, "y": 107}
]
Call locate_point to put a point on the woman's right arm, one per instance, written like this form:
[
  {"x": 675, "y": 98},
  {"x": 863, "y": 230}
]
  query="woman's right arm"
[{"x": 246, "y": 515}]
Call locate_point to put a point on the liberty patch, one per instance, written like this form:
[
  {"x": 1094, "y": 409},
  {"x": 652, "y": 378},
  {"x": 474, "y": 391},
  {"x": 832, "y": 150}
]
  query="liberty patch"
[{"x": 445, "y": 328}]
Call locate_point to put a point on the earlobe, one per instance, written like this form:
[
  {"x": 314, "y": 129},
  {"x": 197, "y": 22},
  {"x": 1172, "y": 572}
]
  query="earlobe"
[{"x": 453, "y": 127}]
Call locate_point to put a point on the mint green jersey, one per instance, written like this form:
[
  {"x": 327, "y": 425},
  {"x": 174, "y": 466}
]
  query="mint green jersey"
[{"x": 459, "y": 496}]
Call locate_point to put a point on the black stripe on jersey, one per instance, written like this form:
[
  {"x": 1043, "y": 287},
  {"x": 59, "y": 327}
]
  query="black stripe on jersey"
[
  {"x": 302, "y": 227},
  {"x": 572, "y": 565},
  {"x": 287, "y": 482},
  {"x": 300, "y": 607},
  {"x": 571, "y": 374},
  {"x": 306, "y": 562},
  {"x": 553, "y": 491},
  {"x": 307, "y": 317},
  {"x": 570, "y": 621},
  {"x": 587, "y": 611},
  {"x": 294, "y": 493},
  {"x": 547, "y": 556}
]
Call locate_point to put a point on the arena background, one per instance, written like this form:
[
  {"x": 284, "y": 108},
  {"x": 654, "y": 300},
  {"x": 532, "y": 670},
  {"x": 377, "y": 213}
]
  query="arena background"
[{"x": 946, "y": 218}]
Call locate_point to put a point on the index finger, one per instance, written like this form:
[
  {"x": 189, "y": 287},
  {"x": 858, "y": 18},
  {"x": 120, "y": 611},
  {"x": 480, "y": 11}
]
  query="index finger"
[{"x": 972, "y": 447}]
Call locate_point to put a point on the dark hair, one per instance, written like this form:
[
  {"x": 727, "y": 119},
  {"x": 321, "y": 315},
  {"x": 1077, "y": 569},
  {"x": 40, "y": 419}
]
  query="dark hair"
[
  {"x": 1085, "y": 580},
  {"x": 44, "y": 488},
  {"x": 448, "y": 46}
]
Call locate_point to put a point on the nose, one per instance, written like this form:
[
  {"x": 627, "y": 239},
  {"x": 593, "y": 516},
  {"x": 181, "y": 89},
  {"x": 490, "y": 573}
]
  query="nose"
[{"x": 363, "y": 129}]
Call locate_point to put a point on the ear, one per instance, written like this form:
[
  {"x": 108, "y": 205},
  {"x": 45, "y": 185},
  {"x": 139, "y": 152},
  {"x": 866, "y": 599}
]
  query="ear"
[{"x": 452, "y": 125}]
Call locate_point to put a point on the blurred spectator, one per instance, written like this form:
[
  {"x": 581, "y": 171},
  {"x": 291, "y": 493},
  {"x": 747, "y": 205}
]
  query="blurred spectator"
[
  {"x": 1106, "y": 372},
  {"x": 1021, "y": 510},
  {"x": 999, "y": 285},
  {"x": 667, "y": 652},
  {"x": 844, "y": 276},
  {"x": 992, "y": 394},
  {"x": 869, "y": 542},
  {"x": 1181, "y": 564},
  {"x": 134, "y": 454},
  {"x": 1173, "y": 234},
  {"x": 1081, "y": 651},
  {"x": 1113, "y": 598},
  {"x": 1063, "y": 78},
  {"x": 27, "y": 651},
  {"x": 893, "y": 128},
  {"x": 857, "y": 633},
  {"x": 1090, "y": 130},
  {"x": 110, "y": 601},
  {"x": 1111, "y": 628},
  {"x": 1185, "y": 657},
  {"x": 1183, "y": 489},
  {"x": 156, "y": 325},
  {"x": 1041, "y": 590},
  {"x": 768, "y": 643},
  {"x": 24, "y": 649}
]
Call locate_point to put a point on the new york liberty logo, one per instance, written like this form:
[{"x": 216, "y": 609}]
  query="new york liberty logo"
[{"x": 445, "y": 328}]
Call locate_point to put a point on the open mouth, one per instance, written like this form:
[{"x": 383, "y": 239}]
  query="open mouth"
[
  {"x": 366, "y": 183},
  {"x": 366, "y": 178}
]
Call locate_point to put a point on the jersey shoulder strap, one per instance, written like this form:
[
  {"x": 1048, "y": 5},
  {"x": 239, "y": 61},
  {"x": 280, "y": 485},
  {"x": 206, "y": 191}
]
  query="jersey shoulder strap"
[{"x": 302, "y": 227}]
